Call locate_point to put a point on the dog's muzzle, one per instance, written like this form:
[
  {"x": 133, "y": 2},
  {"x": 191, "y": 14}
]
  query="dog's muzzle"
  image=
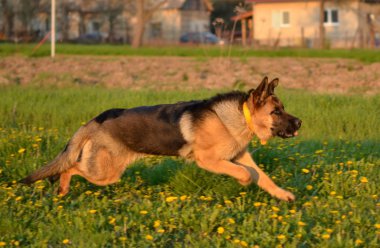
[{"x": 291, "y": 130}]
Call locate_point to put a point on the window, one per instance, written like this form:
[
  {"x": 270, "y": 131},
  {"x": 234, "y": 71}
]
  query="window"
[
  {"x": 156, "y": 30},
  {"x": 280, "y": 19},
  {"x": 331, "y": 17},
  {"x": 285, "y": 18}
]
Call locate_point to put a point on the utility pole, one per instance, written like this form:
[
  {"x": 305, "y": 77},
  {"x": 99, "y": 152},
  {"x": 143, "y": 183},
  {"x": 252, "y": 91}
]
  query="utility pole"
[{"x": 52, "y": 32}]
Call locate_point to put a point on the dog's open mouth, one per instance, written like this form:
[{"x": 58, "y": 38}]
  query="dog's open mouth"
[{"x": 286, "y": 134}]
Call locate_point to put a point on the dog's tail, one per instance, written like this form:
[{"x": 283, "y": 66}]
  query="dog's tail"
[{"x": 65, "y": 159}]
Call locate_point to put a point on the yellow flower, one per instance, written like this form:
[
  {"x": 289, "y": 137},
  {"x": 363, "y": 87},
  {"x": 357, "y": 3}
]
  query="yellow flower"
[
  {"x": 309, "y": 187},
  {"x": 359, "y": 242},
  {"x": 220, "y": 230},
  {"x": 305, "y": 171},
  {"x": 275, "y": 209},
  {"x": 92, "y": 211},
  {"x": 171, "y": 198},
  {"x": 300, "y": 223},
  {"x": 149, "y": 237},
  {"x": 236, "y": 241},
  {"x": 334, "y": 212},
  {"x": 227, "y": 202},
  {"x": 326, "y": 236},
  {"x": 243, "y": 243},
  {"x": 242, "y": 193},
  {"x": 59, "y": 207},
  {"x": 377, "y": 226},
  {"x": 281, "y": 236},
  {"x": 122, "y": 238},
  {"x": 157, "y": 223},
  {"x": 328, "y": 230},
  {"x": 160, "y": 230},
  {"x": 88, "y": 192},
  {"x": 332, "y": 193},
  {"x": 257, "y": 204},
  {"x": 307, "y": 204},
  {"x": 318, "y": 151},
  {"x": 19, "y": 198},
  {"x": 292, "y": 211},
  {"x": 143, "y": 212},
  {"x": 2, "y": 243},
  {"x": 363, "y": 180},
  {"x": 21, "y": 150},
  {"x": 349, "y": 162},
  {"x": 184, "y": 197},
  {"x": 231, "y": 221},
  {"x": 112, "y": 220},
  {"x": 16, "y": 243},
  {"x": 66, "y": 241}
]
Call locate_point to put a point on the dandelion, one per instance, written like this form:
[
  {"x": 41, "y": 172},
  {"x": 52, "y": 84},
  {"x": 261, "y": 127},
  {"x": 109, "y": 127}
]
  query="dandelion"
[
  {"x": 363, "y": 180},
  {"x": 112, "y": 220},
  {"x": 143, "y": 212},
  {"x": 328, "y": 230},
  {"x": 157, "y": 223},
  {"x": 377, "y": 226},
  {"x": 275, "y": 209},
  {"x": 300, "y": 223},
  {"x": 307, "y": 204},
  {"x": 326, "y": 236},
  {"x": 149, "y": 237},
  {"x": 334, "y": 212},
  {"x": 257, "y": 204},
  {"x": 242, "y": 193},
  {"x": 306, "y": 171},
  {"x": 231, "y": 221},
  {"x": 88, "y": 192},
  {"x": 59, "y": 207},
  {"x": 183, "y": 197},
  {"x": 349, "y": 162},
  {"x": 309, "y": 187},
  {"x": 160, "y": 230},
  {"x": 171, "y": 198},
  {"x": 66, "y": 241},
  {"x": 16, "y": 243},
  {"x": 243, "y": 243},
  {"x": 2, "y": 243},
  {"x": 220, "y": 230},
  {"x": 318, "y": 151},
  {"x": 227, "y": 202},
  {"x": 21, "y": 150},
  {"x": 122, "y": 238},
  {"x": 298, "y": 235},
  {"x": 92, "y": 211},
  {"x": 332, "y": 193},
  {"x": 19, "y": 198},
  {"x": 281, "y": 237},
  {"x": 236, "y": 241},
  {"x": 359, "y": 242}
]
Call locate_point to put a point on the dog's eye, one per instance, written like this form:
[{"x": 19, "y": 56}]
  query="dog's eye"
[{"x": 276, "y": 112}]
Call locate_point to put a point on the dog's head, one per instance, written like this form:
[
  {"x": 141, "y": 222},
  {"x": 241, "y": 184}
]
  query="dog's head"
[{"x": 268, "y": 114}]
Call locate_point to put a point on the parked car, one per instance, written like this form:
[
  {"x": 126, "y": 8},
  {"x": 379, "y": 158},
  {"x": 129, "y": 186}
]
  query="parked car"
[{"x": 201, "y": 38}]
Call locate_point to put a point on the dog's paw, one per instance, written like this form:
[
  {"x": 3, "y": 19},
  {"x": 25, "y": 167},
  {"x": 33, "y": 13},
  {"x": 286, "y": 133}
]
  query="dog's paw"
[{"x": 283, "y": 195}]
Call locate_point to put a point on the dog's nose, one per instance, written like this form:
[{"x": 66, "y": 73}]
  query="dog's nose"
[{"x": 297, "y": 122}]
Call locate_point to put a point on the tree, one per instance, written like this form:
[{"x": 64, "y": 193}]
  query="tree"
[
  {"x": 321, "y": 24},
  {"x": 143, "y": 15}
]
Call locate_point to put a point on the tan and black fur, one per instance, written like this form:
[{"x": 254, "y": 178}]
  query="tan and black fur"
[{"x": 213, "y": 132}]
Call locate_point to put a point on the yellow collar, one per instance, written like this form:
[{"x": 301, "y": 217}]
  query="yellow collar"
[
  {"x": 248, "y": 119},
  {"x": 247, "y": 116}
]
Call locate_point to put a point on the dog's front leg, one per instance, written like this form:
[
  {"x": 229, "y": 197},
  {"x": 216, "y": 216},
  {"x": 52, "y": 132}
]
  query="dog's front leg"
[{"x": 262, "y": 180}]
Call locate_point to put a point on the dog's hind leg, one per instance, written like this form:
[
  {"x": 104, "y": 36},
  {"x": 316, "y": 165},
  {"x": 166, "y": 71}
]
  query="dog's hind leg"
[{"x": 64, "y": 181}]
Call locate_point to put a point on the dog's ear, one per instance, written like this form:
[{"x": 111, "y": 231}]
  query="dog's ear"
[
  {"x": 273, "y": 84},
  {"x": 257, "y": 96}
]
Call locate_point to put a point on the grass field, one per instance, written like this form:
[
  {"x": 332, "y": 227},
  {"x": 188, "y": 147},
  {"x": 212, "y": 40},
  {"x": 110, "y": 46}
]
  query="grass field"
[
  {"x": 365, "y": 55},
  {"x": 333, "y": 168}
]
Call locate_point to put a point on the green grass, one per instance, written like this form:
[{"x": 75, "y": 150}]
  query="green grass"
[
  {"x": 167, "y": 202},
  {"x": 365, "y": 55}
]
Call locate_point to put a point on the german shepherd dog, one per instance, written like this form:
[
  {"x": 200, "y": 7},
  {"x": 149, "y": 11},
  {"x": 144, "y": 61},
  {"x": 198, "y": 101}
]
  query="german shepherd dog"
[{"x": 215, "y": 133}]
